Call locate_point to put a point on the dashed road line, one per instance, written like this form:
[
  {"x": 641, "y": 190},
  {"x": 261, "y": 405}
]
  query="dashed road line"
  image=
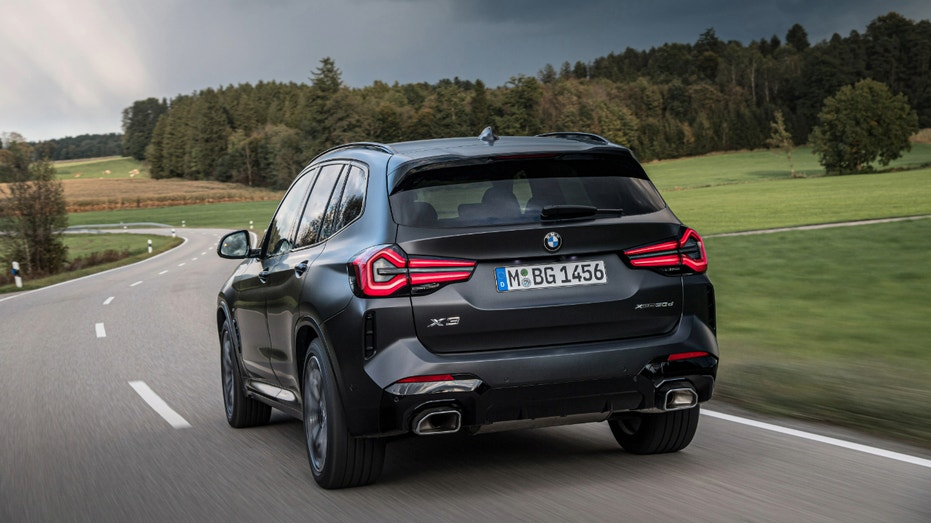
[
  {"x": 163, "y": 272},
  {"x": 101, "y": 331},
  {"x": 159, "y": 405},
  {"x": 137, "y": 283},
  {"x": 181, "y": 264},
  {"x": 109, "y": 300}
]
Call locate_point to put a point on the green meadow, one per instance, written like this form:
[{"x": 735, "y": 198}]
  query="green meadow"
[
  {"x": 131, "y": 248},
  {"x": 109, "y": 167},
  {"x": 829, "y": 325},
  {"x": 232, "y": 216}
]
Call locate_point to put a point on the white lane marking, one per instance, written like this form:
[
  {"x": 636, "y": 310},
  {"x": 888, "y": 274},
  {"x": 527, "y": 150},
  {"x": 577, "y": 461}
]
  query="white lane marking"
[
  {"x": 163, "y": 272},
  {"x": 921, "y": 462},
  {"x": 137, "y": 283},
  {"x": 101, "y": 332},
  {"x": 818, "y": 226},
  {"x": 203, "y": 253},
  {"x": 181, "y": 264},
  {"x": 159, "y": 405},
  {"x": 193, "y": 259},
  {"x": 109, "y": 300}
]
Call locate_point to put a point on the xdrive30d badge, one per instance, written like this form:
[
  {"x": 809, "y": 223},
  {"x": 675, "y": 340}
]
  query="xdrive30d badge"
[{"x": 468, "y": 285}]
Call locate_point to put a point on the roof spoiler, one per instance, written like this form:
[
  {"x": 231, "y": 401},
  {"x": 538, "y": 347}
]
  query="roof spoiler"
[{"x": 590, "y": 138}]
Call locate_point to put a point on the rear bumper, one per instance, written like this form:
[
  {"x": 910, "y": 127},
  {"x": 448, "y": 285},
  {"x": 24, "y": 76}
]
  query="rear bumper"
[{"x": 584, "y": 382}]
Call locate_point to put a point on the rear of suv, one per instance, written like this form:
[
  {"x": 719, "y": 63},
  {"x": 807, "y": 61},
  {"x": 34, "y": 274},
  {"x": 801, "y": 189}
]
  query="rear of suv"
[{"x": 468, "y": 284}]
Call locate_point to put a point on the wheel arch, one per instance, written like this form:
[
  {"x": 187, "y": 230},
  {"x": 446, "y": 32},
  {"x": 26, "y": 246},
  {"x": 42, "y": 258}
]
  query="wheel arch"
[
  {"x": 307, "y": 331},
  {"x": 223, "y": 315}
]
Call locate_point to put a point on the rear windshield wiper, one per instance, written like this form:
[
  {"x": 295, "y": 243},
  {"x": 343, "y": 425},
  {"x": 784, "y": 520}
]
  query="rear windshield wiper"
[{"x": 556, "y": 212}]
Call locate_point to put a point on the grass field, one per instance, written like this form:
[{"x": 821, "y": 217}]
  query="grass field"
[
  {"x": 791, "y": 202},
  {"x": 757, "y": 166},
  {"x": 80, "y": 245},
  {"x": 84, "y": 195},
  {"x": 829, "y": 325},
  {"x": 221, "y": 215},
  {"x": 117, "y": 183},
  {"x": 109, "y": 168},
  {"x": 753, "y": 190}
]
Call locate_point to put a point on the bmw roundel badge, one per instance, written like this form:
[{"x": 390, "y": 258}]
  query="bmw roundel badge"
[{"x": 552, "y": 241}]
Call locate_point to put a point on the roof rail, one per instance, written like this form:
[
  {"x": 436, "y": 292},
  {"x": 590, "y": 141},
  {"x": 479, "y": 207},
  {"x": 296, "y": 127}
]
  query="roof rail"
[
  {"x": 580, "y": 137},
  {"x": 359, "y": 145}
]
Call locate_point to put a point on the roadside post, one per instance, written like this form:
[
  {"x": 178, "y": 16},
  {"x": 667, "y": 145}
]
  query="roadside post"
[
  {"x": 16, "y": 277},
  {"x": 150, "y": 246},
  {"x": 250, "y": 225},
  {"x": 172, "y": 233},
  {"x": 183, "y": 224}
]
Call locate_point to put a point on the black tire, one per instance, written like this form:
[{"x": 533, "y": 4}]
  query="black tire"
[
  {"x": 337, "y": 459},
  {"x": 241, "y": 410},
  {"x": 656, "y": 433}
]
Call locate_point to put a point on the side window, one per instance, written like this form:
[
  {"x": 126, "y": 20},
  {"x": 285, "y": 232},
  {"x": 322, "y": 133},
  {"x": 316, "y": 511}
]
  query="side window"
[
  {"x": 346, "y": 205},
  {"x": 308, "y": 232},
  {"x": 331, "y": 217},
  {"x": 278, "y": 238}
]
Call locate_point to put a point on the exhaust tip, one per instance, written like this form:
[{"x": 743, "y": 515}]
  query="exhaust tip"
[
  {"x": 440, "y": 420},
  {"x": 678, "y": 399}
]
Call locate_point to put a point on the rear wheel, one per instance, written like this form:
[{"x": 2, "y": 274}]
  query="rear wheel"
[
  {"x": 241, "y": 410},
  {"x": 657, "y": 433},
  {"x": 337, "y": 459}
]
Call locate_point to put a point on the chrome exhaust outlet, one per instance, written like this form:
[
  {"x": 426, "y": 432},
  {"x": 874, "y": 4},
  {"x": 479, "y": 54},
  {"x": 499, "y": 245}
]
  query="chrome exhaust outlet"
[
  {"x": 679, "y": 398},
  {"x": 437, "y": 420}
]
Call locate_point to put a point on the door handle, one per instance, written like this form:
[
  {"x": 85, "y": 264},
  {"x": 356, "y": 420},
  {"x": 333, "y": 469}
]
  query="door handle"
[{"x": 300, "y": 268}]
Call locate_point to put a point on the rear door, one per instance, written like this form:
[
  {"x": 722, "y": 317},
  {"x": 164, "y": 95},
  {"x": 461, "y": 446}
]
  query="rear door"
[
  {"x": 259, "y": 284},
  {"x": 541, "y": 282},
  {"x": 287, "y": 279}
]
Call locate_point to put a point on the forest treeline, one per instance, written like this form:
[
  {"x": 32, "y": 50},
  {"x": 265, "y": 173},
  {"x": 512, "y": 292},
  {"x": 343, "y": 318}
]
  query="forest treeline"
[
  {"x": 78, "y": 147},
  {"x": 665, "y": 102}
]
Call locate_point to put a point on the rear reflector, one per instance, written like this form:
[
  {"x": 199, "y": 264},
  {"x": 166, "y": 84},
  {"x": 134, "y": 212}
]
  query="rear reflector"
[
  {"x": 426, "y": 379},
  {"x": 433, "y": 384},
  {"x": 686, "y": 356}
]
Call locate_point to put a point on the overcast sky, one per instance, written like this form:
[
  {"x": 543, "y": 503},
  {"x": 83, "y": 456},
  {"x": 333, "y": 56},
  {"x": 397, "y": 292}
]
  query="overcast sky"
[{"x": 70, "y": 67}]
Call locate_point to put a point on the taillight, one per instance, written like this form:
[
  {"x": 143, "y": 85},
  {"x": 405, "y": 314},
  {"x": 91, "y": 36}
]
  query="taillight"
[
  {"x": 380, "y": 271},
  {"x": 426, "y": 271},
  {"x": 687, "y": 255},
  {"x": 388, "y": 270}
]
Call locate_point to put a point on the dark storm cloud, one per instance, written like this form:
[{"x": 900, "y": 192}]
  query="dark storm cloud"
[
  {"x": 659, "y": 21},
  {"x": 71, "y": 66}
]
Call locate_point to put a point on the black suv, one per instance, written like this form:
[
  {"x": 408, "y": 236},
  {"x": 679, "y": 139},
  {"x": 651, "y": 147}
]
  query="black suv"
[{"x": 468, "y": 284}]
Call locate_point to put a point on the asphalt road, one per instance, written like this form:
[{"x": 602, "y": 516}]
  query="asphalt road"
[{"x": 79, "y": 442}]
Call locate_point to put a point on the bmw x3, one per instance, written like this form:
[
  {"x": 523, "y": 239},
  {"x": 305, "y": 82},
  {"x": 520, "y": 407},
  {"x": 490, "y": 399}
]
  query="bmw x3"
[{"x": 471, "y": 285}]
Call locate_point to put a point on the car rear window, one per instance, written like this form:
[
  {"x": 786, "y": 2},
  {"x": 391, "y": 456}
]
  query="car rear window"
[{"x": 516, "y": 191}]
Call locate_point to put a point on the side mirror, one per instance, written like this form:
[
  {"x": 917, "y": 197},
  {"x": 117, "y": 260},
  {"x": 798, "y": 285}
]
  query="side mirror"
[{"x": 235, "y": 246}]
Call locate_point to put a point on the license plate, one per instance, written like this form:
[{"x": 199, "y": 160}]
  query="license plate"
[{"x": 550, "y": 275}]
